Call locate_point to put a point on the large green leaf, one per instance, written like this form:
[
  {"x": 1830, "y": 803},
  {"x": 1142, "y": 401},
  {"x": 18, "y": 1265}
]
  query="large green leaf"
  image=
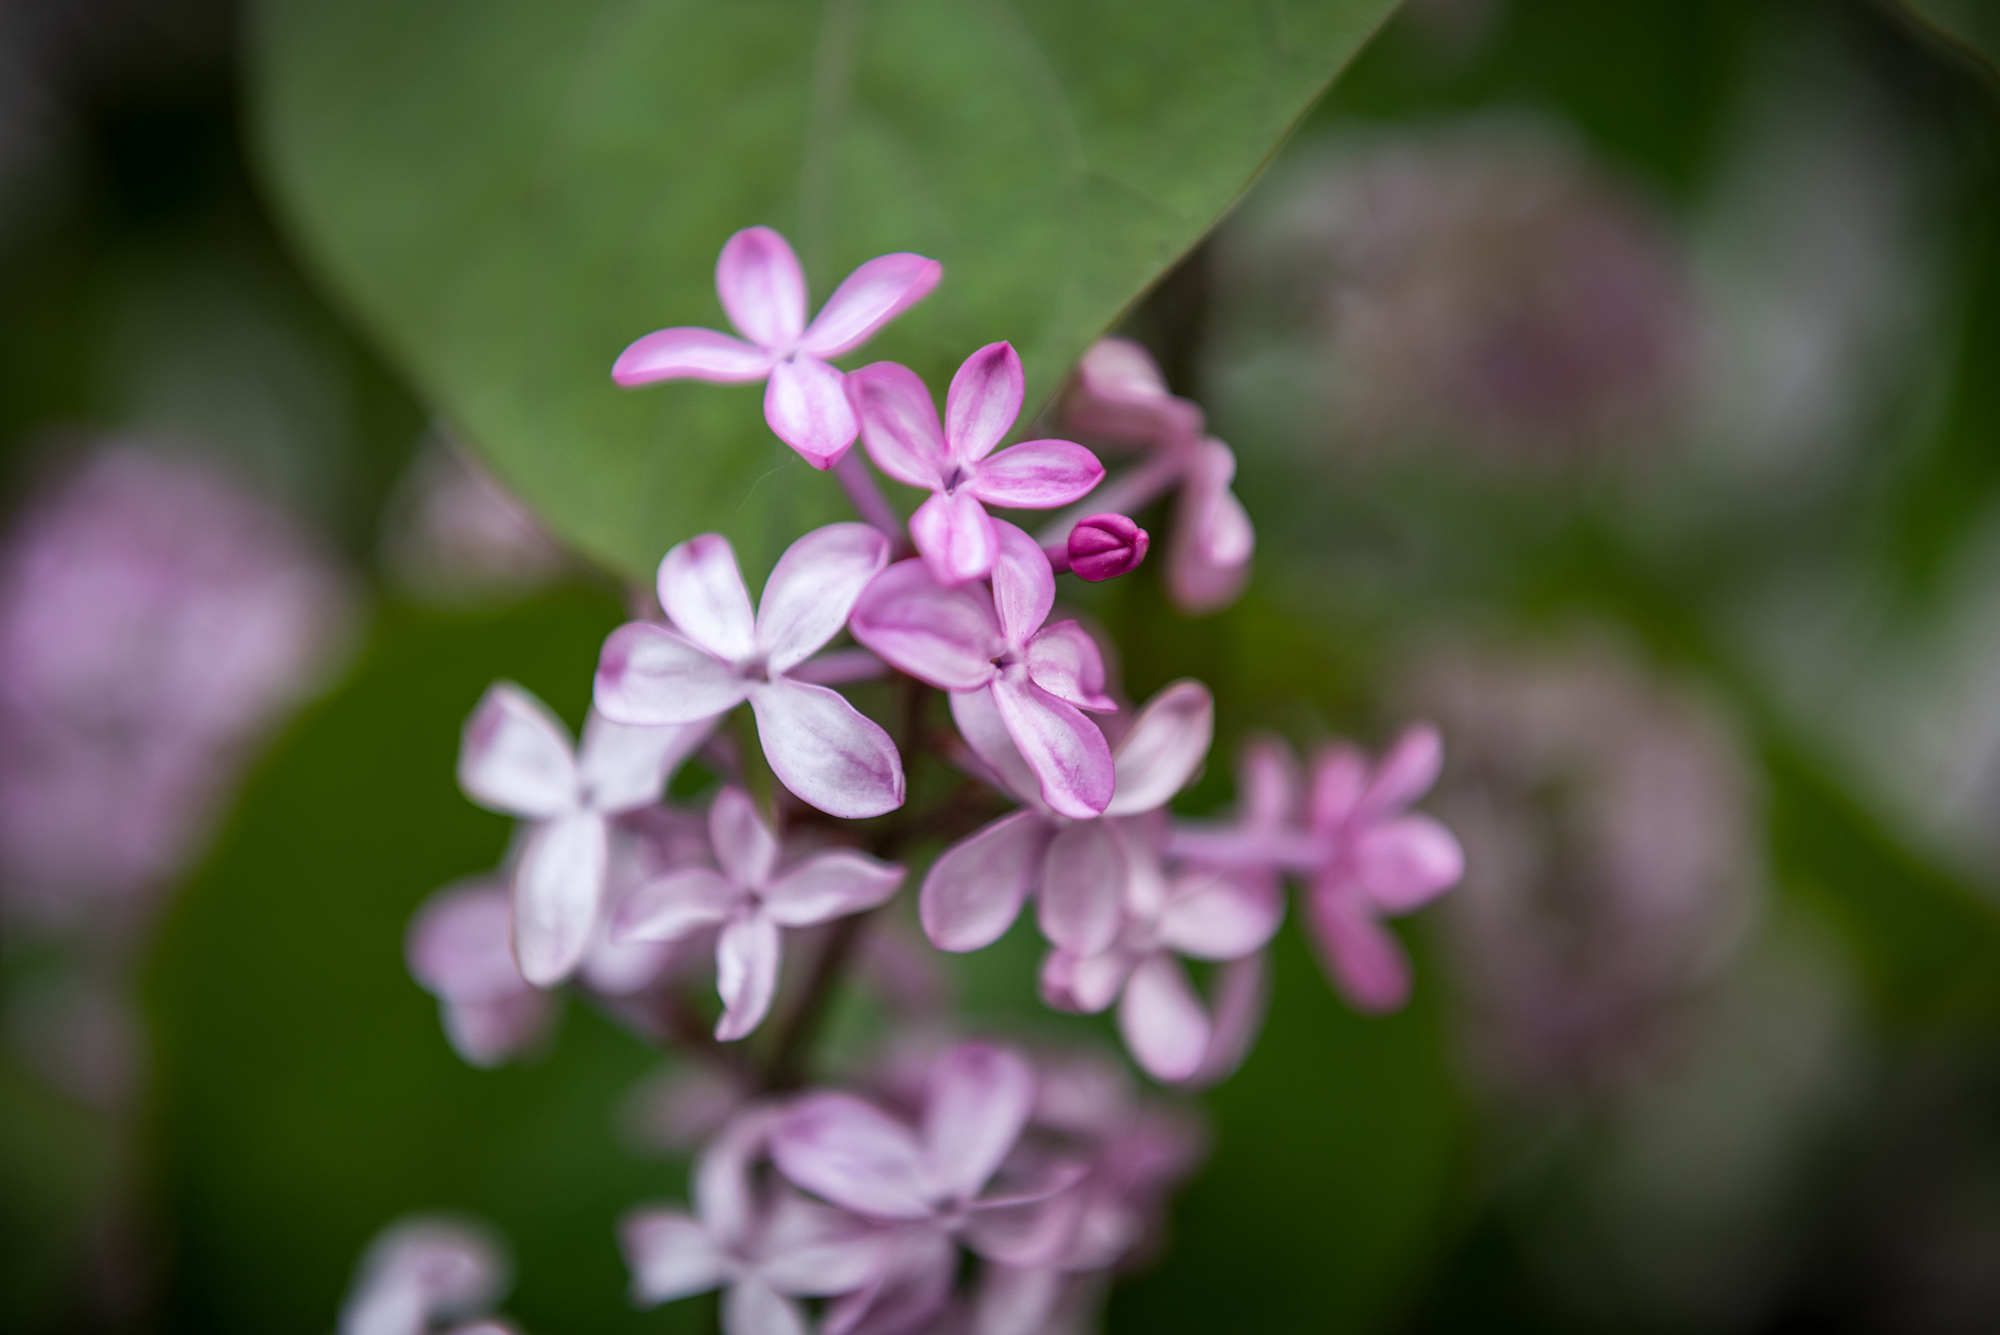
[{"x": 508, "y": 191}]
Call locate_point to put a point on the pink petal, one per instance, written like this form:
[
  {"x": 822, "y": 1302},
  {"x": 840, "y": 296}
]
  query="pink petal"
[
  {"x": 1024, "y": 585},
  {"x": 899, "y": 424},
  {"x": 670, "y": 1256},
  {"x": 1340, "y": 777},
  {"x": 1085, "y": 984},
  {"x": 1242, "y": 995},
  {"x": 1166, "y": 746},
  {"x": 1407, "y": 863},
  {"x": 1218, "y": 917},
  {"x": 984, "y": 400},
  {"x": 557, "y": 888},
  {"x": 1037, "y": 475},
  {"x": 812, "y": 1250},
  {"x": 1083, "y": 888},
  {"x": 813, "y": 588},
  {"x": 690, "y": 354},
  {"x": 980, "y": 724},
  {"x": 702, "y": 591},
  {"x": 1208, "y": 561},
  {"x": 1162, "y": 1019},
  {"x": 1068, "y": 754},
  {"x": 744, "y": 846},
  {"x": 871, "y": 296},
  {"x": 827, "y": 752},
  {"x": 1268, "y": 783},
  {"x": 486, "y": 1034},
  {"x": 840, "y": 667},
  {"x": 805, "y": 405},
  {"x": 649, "y": 675},
  {"x": 514, "y": 757},
  {"x": 853, "y": 1155},
  {"x": 1017, "y": 1300},
  {"x": 752, "y": 1307},
  {"x": 975, "y": 889},
  {"x": 676, "y": 905},
  {"x": 946, "y": 637},
  {"x": 1105, "y": 546},
  {"x": 725, "y": 1194},
  {"x": 1405, "y": 774},
  {"x": 762, "y": 288},
  {"x": 978, "y": 1102},
  {"x": 1033, "y": 1232},
  {"x": 1362, "y": 956},
  {"x": 913, "y": 1284},
  {"x": 746, "y": 974},
  {"x": 831, "y": 885},
  {"x": 459, "y": 945},
  {"x": 954, "y": 535},
  {"x": 622, "y": 766},
  {"x": 1064, "y": 661},
  {"x": 1121, "y": 396}
]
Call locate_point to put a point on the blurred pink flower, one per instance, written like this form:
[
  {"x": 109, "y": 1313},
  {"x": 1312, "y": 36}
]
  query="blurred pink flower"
[
  {"x": 955, "y": 462},
  {"x": 425, "y": 1273},
  {"x": 460, "y": 949},
  {"x": 1040, "y": 677},
  {"x": 750, "y": 899},
  {"x": 453, "y": 535},
  {"x": 763, "y": 292},
  {"x": 717, "y": 655}
]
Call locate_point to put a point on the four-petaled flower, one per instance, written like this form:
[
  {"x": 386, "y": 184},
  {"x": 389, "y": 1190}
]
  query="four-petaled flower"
[
  {"x": 717, "y": 655},
  {"x": 750, "y": 899},
  {"x": 955, "y": 462},
  {"x": 516, "y": 758},
  {"x": 763, "y": 292},
  {"x": 1041, "y": 677}
]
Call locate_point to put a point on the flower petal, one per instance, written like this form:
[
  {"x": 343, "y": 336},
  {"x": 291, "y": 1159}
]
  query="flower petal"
[
  {"x": 1024, "y": 584},
  {"x": 827, "y": 752},
  {"x": 1017, "y": 1300},
  {"x": 557, "y": 888},
  {"x": 744, "y": 846},
  {"x": 975, "y": 889},
  {"x": 1162, "y": 1019},
  {"x": 1068, "y": 754},
  {"x": 746, "y": 974},
  {"x": 1035, "y": 1232},
  {"x": 1407, "y": 863},
  {"x": 984, "y": 400},
  {"x": 977, "y": 1103},
  {"x": 514, "y": 757},
  {"x": 980, "y": 724},
  {"x": 1083, "y": 888},
  {"x": 854, "y": 1155},
  {"x": 813, "y": 588},
  {"x": 623, "y": 766},
  {"x": 813, "y": 1250},
  {"x": 459, "y": 944},
  {"x": 675, "y": 905},
  {"x": 1037, "y": 475},
  {"x": 946, "y": 637},
  {"x": 1361, "y": 955},
  {"x": 752, "y": 1307},
  {"x": 670, "y": 1256},
  {"x": 1084, "y": 984},
  {"x": 1121, "y": 396},
  {"x": 805, "y": 405},
  {"x": 954, "y": 534},
  {"x": 869, "y": 298},
  {"x": 725, "y": 1192},
  {"x": 690, "y": 354},
  {"x": 486, "y": 1034},
  {"x": 1405, "y": 774},
  {"x": 649, "y": 675},
  {"x": 1268, "y": 783},
  {"x": 763, "y": 290},
  {"x": 912, "y": 1286},
  {"x": 1339, "y": 778},
  {"x": 1242, "y": 991},
  {"x": 1166, "y": 745},
  {"x": 1218, "y": 917},
  {"x": 701, "y": 589},
  {"x": 1064, "y": 661},
  {"x": 1208, "y": 561},
  {"x": 899, "y": 424},
  {"x": 831, "y": 885}
]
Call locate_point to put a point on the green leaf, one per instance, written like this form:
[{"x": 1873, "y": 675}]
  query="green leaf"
[{"x": 510, "y": 191}]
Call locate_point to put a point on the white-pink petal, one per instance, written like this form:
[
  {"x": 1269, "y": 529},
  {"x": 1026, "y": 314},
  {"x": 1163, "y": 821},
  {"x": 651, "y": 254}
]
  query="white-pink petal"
[
  {"x": 977, "y": 1103},
  {"x": 812, "y": 1250},
  {"x": 514, "y": 757},
  {"x": 1221, "y": 917},
  {"x": 1407, "y": 863},
  {"x": 1083, "y": 888},
  {"x": 649, "y": 675},
  {"x": 869, "y": 298},
  {"x": 976, "y": 888},
  {"x": 946, "y": 637},
  {"x": 1068, "y": 754},
  {"x": 670, "y": 1256},
  {"x": 1162, "y": 1019},
  {"x": 830, "y": 885},
  {"x": 557, "y": 889},
  {"x": 827, "y": 752},
  {"x": 623, "y": 766},
  {"x": 762, "y": 288},
  {"x": 752, "y": 1307},
  {"x": 984, "y": 400},
  {"x": 459, "y": 944},
  {"x": 746, "y": 974},
  {"x": 1085, "y": 984},
  {"x": 813, "y": 588},
  {"x": 1064, "y": 661},
  {"x": 1165, "y": 747},
  {"x": 899, "y": 424},
  {"x": 744, "y": 846},
  {"x": 1024, "y": 585},
  {"x": 980, "y": 724},
  {"x": 954, "y": 535},
  {"x": 805, "y": 405},
  {"x": 701, "y": 589},
  {"x": 1037, "y": 475},
  {"x": 690, "y": 354},
  {"x": 676, "y": 905},
  {"x": 854, "y": 1155}
]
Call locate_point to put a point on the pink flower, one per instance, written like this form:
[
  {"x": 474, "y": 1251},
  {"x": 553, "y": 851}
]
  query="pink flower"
[
  {"x": 976, "y": 888},
  {"x": 1208, "y": 561},
  {"x": 460, "y": 950},
  {"x": 516, "y": 758},
  {"x": 1119, "y": 395},
  {"x": 1040, "y": 677},
  {"x": 422, "y": 1273},
  {"x": 750, "y": 900},
  {"x": 769, "y": 1247},
  {"x": 899, "y": 425},
  {"x": 1103, "y": 547},
  {"x": 763, "y": 292},
  {"x": 717, "y": 655}
]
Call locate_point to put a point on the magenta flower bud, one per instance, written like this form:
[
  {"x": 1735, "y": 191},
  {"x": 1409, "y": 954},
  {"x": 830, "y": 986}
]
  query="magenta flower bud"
[{"x": 1104, "y": 547}]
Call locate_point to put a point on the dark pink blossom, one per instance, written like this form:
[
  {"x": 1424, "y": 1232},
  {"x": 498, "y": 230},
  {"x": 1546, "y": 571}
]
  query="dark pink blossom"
[
  {"x": 955, "y": 460},
  {"x": 1103, "y": 547},
  {"x": 763, "y": 292}
]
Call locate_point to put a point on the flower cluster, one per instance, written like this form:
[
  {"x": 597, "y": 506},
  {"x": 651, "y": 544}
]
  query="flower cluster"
[{"x": 1048, "y": 1173}]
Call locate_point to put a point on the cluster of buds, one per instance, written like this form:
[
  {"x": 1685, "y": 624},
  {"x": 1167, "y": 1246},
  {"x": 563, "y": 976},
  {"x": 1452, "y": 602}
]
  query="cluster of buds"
[{"x": 824, "y": 1194}]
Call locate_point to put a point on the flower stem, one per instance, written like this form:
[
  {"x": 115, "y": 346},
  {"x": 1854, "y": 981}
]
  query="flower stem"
[
  {"x": 869, "y": 502},
  {"x": 787, "y": 1068}
]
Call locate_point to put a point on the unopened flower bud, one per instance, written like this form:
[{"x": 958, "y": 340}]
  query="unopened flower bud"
[{"x": 1104, "y": 547}]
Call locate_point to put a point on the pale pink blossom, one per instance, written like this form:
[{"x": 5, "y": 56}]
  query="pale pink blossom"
[
  {"x": 1040, "y": 677},
  {"x": 763, "y": 292},
  {"x": 427, "y": 1274},
  {"x": 516, "y": 758},
  {"x": 716, "y": 655},
  {"x": 750, "y": 899},
  {"x": 955, "y": 460},
  {"x": 460, "y": 949}
]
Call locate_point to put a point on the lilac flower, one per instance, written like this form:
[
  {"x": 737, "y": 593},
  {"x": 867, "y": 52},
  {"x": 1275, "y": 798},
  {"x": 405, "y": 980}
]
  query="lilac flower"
[
  {"x": 516, "y": 758},
  {"x": 768, "y": 1247},
  {"x": 955, "y": 462},
  {"x": 976, "y": 888},
  {"x": 763, "y": 292},
  {"x": 422, "y": 1273},
  {"x": 717, "y": 656},
  {"x": 750, "y": 900},
  {"x": 1040, "y": 677},
  {"x": 1106, "y": 546},
  {"x": 460, "y": 950}
]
